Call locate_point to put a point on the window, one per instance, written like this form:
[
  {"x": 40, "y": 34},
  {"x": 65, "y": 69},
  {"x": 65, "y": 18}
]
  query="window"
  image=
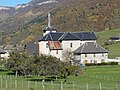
[
  {"x": 46, "y": 45},
  {"x": 85, "y": 55},
  {"x": 70, "y": 44},
  {"x": 102, "y": 61},
  {"x": 91, "y": 61},
  {"x": 95, "y": 62},
  {"x": 57, "y": 52},
  {"x": 94, "y": 55},
  {"x": 85, "y": 61},
  {"x": 102, "y": 54}
]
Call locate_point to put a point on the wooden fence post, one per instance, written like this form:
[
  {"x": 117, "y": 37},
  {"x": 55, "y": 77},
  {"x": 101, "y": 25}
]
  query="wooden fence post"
[
  {"x": 28, "y": 85},
  {"x": 52, "y": 85},
  {"x": 1, "y": 83},
  {"x": 73, "y": 86},
  {"x": 87, "y": 86},
  {"x": 10, "y": 83},
  {"x": 116, "y": 85},
  {"x": 15, "y": 83},
  {"x": 22, "y": 84},
  {"x": 6, "y": 83},
  {"x": 100, "y": 86},
  {"x": 61, "y": 85},
  {"x": 35, "y": 85},
  {"x": 43, "y": 84}
]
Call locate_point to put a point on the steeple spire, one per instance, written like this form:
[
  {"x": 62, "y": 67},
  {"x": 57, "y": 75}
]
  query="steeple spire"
[
  {"x": 49, "y": 28},
  {"x": 49, "y": 22}
]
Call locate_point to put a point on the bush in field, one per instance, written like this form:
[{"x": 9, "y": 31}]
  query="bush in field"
[
  {"x": 18, "y": 63},
  {"x": 22, "y": 64}
]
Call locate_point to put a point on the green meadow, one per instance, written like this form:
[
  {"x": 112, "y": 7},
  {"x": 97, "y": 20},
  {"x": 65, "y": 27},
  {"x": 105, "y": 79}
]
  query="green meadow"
[
  {"x": 114, "y": 49},
  {"x": 90, "y": 78}
]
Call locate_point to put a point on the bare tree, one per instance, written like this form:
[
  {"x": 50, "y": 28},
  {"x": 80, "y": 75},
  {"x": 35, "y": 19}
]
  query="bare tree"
[{"x": 67, "y": 55}]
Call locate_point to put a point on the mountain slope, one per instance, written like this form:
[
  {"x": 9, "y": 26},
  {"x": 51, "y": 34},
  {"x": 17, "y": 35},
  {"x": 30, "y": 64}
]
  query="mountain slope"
[{"x": 28, "y": 20}]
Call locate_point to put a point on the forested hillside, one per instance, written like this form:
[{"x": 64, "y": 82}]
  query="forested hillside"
[{"x": 27, "y": 23}]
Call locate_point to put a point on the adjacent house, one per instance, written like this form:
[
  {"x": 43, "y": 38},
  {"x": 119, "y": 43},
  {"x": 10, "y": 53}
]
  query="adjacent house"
[
  {"x": 3, "y": 54},
  {"x": 114, "y": 38},
  {"x": 91, "y": 52},
  {"x": 6, "y": 49},
  {"x": 32, "y": 48},
  {"x": 82, "y": 44}
]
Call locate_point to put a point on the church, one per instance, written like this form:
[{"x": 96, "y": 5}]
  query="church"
[{"x": 82, "y": 45}]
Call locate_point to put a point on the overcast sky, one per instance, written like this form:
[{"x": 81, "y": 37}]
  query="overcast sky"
[{"x": 12, "y": 2}]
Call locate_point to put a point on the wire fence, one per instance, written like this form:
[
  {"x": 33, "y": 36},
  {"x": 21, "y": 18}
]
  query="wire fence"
[{"x": 21, "y": 83}]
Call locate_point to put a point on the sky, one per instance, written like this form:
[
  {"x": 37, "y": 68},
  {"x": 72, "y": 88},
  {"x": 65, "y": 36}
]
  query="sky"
[{"x": 12, "y": 2}]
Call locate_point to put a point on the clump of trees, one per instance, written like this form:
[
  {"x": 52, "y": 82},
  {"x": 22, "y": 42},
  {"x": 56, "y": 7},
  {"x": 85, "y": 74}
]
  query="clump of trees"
[{"x": 23, "y": 64}]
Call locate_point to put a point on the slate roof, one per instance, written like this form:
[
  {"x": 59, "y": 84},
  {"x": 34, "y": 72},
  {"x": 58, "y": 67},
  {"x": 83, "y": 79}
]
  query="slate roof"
[
  {"x": 20, "y": 48},
  {"x": 9, "y": 47},
  {"x": 2, "y": 51},
  {"x": 32, "y": 48},
  {"x": 49, "y": 29},
  {"x": 60, "y": 36},
  {"x": 90, "y": 47},
  {"x": 114, "y": 38}
]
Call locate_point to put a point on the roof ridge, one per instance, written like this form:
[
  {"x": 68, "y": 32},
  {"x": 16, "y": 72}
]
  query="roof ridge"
[
  {"x": 83, "y": 47},
  {"x": 102, "y": 47},
  {"x": 51, "y": 36},
  {"x": 46, "y": 36},
  {"x": 64, "y": 34}
]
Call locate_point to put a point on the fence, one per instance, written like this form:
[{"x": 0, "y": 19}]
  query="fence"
[{"x": 21, "y": 83}]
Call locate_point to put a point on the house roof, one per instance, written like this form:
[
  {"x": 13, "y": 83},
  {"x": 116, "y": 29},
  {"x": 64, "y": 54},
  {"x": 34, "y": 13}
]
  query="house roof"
[
  {"x": 114, "y": 38},
  {"x": 90, "y": 47},
  {"x": 2, "y": 51},
  {"x": 54, "y": 45},
  {"x": 32, "y": 48},
  {"x": 60, "y": 36},
  {"x": 52, "y": 36},
  {"x": 20, "y": 48},
  {"x": 9, "y": 47},
  {"x": 49, "y": 29}
]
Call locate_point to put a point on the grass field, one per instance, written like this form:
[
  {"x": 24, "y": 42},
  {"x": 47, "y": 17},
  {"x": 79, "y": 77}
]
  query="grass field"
[
  {"x": 90, "y": 78},
  {"x": 114, "y": 49}
]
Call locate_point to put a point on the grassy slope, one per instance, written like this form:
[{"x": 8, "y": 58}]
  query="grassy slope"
[
  {"x": 114, "y": 49},
  {"x": 92, "y": 75}
]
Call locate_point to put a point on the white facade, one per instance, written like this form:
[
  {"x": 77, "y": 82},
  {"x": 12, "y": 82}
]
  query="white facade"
[
  {"x": 46, "y": 32},
  {"x": 4, "y": 56},
  {"x": 92, "y": 58},
  {"x": 43, "y": 48},
  {"x": 71, "y": 45},
  {"x": 69, "y": 41}
]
